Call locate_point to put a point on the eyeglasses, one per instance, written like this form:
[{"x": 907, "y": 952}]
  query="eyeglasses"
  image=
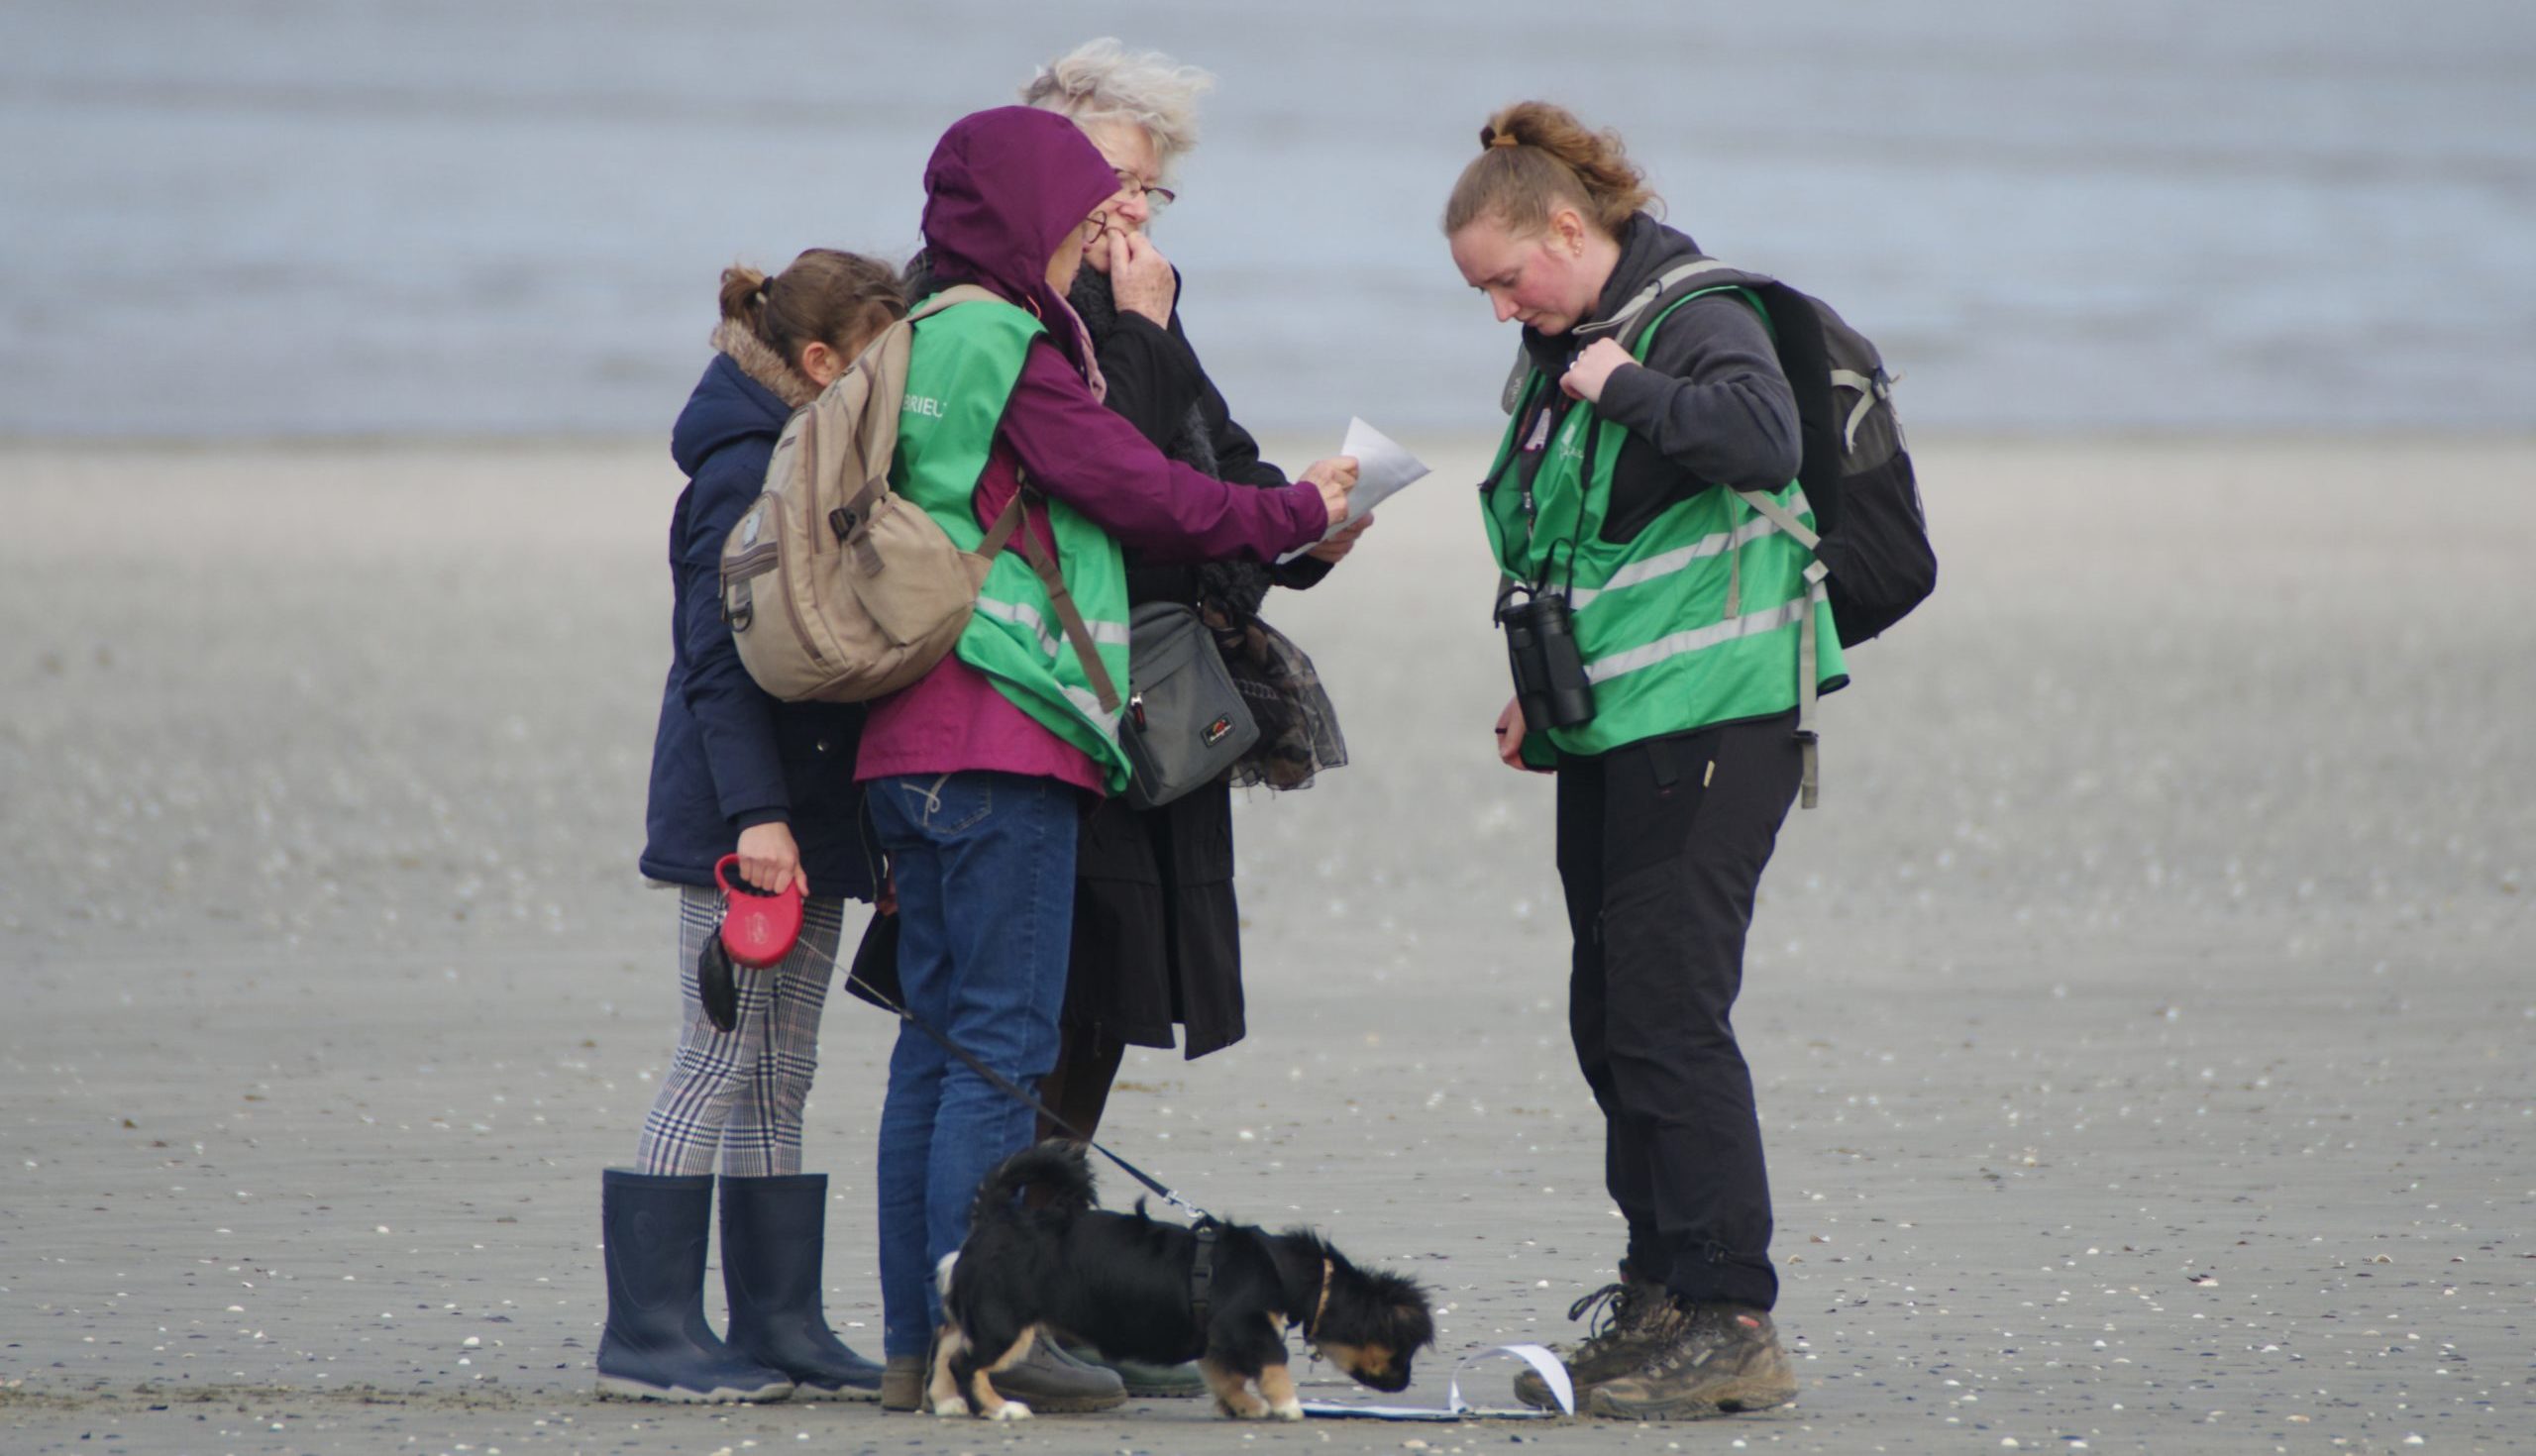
[{"x": 1156, "y": 198}]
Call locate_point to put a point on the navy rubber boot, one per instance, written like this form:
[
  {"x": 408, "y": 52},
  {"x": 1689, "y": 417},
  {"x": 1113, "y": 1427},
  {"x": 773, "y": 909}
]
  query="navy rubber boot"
[
  {"x": 774, "y": 1238},
  {"x": 658, "y": 1346}
]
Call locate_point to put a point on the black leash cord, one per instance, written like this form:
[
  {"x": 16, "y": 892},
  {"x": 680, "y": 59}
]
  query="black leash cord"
[{"x": 1000, "y": 1084}]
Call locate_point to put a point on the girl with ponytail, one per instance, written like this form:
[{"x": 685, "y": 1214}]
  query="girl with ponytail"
[
  {"x": 734, "y": 772},
  {"x": 794, "y": 332},
  {"x": 1676, "y": 743}
]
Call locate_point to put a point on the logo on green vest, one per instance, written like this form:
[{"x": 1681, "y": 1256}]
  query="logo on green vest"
[{"x": 921, "y": 404}]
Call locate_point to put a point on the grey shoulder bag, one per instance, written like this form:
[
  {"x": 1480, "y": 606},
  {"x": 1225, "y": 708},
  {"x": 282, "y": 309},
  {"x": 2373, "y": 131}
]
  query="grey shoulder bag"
[{"x": 1186, "y": 722}]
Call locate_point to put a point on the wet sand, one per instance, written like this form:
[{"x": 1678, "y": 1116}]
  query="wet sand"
[{"x": 2144, "y": 1025}]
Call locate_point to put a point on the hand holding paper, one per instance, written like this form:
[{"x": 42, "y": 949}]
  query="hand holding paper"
[
  {"x": 1336, "y": 548},
  {"x": 1336, "y": 478},
  {"x": 1382, "y": 469}
]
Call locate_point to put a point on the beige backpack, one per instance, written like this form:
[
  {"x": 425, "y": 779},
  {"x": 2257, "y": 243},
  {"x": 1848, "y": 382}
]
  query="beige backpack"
[{"x": 836, "y": 587}]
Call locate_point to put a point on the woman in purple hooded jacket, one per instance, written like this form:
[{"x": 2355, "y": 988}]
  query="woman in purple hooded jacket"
[{"x": 974, "y": 799}]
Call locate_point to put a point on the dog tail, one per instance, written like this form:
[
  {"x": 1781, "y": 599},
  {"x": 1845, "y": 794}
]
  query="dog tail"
[{"x": 1056, "y": 1165}]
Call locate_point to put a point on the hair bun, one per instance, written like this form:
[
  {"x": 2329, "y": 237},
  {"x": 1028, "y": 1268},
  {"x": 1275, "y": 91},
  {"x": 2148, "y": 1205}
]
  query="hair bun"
[
  {"x": 744, "y": 292},
  {"x": 1551, "y": 157}
]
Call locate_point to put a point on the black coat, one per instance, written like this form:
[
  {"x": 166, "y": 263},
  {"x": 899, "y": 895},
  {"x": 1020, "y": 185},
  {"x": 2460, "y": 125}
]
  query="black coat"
[
  {"x": 727, "y": 754},
  {"x": 1156, "y": 928}
]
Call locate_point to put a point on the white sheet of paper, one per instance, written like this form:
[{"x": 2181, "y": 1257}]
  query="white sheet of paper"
[
  {"x": 1454, "y": 1407},
  {"x": 1344, "y": 1411},
  {"x": 1382, "y": 469}
]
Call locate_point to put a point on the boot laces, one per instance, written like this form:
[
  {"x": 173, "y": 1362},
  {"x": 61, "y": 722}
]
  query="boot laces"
[
  {"x": 1608, "y": 1307},
  {"x": 1614, "y": 1312}
]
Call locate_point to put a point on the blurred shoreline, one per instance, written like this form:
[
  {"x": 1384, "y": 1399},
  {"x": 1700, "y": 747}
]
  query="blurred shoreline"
[{"x": 264, "y": 217}]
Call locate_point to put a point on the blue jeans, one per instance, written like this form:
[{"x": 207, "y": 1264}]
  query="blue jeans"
[{"x": 983, "y": 865}]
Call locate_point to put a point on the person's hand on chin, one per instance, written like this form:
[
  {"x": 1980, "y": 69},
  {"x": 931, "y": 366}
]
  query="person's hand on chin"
[{"x": 1140, "y": 277}]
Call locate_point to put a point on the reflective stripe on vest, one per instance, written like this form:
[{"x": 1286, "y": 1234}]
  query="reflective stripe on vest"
[
  {"x": 1700, "y": 618},
  {"x": 961, "y": 368}
]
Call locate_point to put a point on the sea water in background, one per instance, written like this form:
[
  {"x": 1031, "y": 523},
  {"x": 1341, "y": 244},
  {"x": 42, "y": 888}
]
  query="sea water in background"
[{"x": 287, "y": 217}]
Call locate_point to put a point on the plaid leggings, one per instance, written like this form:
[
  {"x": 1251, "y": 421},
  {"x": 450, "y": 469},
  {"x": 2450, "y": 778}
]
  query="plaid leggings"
[{"x": 741, "y": 1091}]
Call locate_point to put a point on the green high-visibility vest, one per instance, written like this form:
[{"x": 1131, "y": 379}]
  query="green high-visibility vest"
[
  {"x": 962, "y": 366},
  {"x": 1696, "y": 620}
]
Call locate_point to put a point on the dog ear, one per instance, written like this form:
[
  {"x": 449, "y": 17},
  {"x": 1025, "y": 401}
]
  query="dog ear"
[{"x": 1412, "y": 1321}]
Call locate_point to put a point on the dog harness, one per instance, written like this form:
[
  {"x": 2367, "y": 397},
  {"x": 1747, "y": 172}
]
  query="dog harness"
[
  {"x": 1202, "y": 1269},
  {"x": 1202, "y": 1278}
]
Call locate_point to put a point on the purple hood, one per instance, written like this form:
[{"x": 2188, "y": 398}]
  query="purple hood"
[{"x": 1001, "y": 192}]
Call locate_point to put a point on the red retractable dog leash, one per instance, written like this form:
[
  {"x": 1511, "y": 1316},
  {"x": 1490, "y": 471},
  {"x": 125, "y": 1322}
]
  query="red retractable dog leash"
[{"x": 757, "y": 930}]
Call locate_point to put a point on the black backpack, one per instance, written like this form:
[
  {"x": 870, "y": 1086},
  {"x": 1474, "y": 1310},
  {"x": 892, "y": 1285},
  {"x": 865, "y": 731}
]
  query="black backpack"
[{"x": 1856, "y": 473}]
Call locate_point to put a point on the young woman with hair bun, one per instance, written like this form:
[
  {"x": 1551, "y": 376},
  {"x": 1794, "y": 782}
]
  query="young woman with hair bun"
[
  {"x": 1686, "y": 609},
  {"x": 735, "y": 772}
]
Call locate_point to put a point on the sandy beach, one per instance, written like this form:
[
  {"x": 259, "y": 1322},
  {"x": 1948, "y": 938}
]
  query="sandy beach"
[{"x": 2144, "y": 1025}]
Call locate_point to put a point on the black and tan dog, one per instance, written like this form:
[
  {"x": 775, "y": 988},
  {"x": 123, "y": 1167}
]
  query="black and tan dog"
[{"x": 1220, "y": 1293}]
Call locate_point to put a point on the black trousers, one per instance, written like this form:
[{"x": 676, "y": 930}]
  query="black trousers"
[{"x": 1661, "y": 848}]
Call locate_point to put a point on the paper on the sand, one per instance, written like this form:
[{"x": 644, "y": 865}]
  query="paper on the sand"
[
  {"x": 1454, "y": 1407},
  {"x": 1382, "y": 469}
]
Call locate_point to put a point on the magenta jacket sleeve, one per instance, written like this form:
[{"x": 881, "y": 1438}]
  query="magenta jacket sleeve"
[{"x": 1079, "y": 452}]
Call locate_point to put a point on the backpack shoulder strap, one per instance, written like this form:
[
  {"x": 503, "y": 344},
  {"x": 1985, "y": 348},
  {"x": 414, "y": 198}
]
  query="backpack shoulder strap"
[
  {"x": 1643, "y": 312},
  {"x": 957, "y": 293},
  {"x": 881, "y": 374},
  {"x": 1698, "y": 275},
  {"x": 1014, "y": 522},
  {"x": 1808, "y": 648}
]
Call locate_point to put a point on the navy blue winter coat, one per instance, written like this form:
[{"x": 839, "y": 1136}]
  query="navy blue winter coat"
[{"x": 727, "y": 754}]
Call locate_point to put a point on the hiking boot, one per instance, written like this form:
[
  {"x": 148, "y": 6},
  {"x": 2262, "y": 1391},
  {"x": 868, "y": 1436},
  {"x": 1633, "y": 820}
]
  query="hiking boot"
[
  {"x": 902, "y": 1383},
  {"x": 1144, "y": 1380},
  {"x": 1051, "y": 1383},
  {"x": 1720, "y": 1358},
  {"x": 1617, "y": 1340}
]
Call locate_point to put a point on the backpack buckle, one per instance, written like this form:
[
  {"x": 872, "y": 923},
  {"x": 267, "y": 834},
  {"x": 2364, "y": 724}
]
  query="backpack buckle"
[{"x": 842, "y": 521}]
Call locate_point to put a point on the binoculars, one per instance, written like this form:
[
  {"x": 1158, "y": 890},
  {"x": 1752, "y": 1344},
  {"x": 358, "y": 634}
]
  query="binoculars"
[{"x": 1541, "y": 647}]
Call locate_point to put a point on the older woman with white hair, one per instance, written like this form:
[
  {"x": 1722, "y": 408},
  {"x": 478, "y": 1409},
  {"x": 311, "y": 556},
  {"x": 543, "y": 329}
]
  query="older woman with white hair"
[{"x": 1156, "y": 928}]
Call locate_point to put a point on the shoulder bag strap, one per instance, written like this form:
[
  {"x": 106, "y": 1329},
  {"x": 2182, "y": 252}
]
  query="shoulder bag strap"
[{"x": 1060, "y": 600}]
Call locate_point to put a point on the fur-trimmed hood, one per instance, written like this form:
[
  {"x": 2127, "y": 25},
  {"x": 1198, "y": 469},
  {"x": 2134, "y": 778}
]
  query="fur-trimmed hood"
[
  {"x": 763, "y": 365},
  {"x": 726, "y": 754},
  {"x": 733, "y": 405}
]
